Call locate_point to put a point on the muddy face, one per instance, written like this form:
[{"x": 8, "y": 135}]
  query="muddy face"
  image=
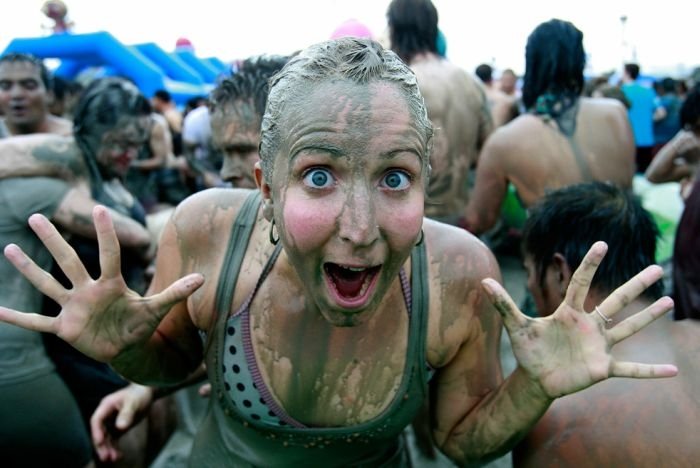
[
  {"x": 121, "y": 145},
  {"x": 348, "y": 193},
  {"x": 236, "y": 133},
  {"x": 23, "y": 97}
]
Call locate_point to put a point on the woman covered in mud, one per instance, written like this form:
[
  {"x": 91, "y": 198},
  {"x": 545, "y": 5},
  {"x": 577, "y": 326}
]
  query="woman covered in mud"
[{"x": 324, "y": 304}]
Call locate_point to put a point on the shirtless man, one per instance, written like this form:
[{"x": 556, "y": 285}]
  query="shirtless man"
[
  {"x": 604, "y": 426},
  {"x": 25, "y": 95},
  {"x": 564, "y": 138},
  {"x": 456, "y": 103},
  {"x": 504, "y": 107}
]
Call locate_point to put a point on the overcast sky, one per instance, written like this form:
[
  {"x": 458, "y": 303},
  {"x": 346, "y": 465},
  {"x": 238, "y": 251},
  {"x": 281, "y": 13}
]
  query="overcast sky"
[{"x": 661, "y": 34}]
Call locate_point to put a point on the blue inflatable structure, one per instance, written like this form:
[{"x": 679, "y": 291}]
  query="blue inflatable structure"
[{"x": 181, "y": 73}]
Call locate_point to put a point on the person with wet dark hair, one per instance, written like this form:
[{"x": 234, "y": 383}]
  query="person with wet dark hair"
[
  {"x": 563, "y": 139},
  {"x": 26, "y": 92},
  {"x": 332, "y": 307},
  {"x": 41, "y": 423},
  {"x": 456, "y": 101},
  {"x": 236, "y": 107},
  {"x": 586, "y": 429}
]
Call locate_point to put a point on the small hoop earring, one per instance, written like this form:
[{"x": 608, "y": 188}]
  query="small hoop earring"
[
  {"x": 273, "y": 240},
  {"x": 420, "y": 239}
]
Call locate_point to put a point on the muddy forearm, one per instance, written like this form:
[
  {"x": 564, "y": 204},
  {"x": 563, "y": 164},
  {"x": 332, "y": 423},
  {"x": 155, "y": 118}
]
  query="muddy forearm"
[
  {"x": 160, "y": 362},
  {"x": 492, "y": 428}
]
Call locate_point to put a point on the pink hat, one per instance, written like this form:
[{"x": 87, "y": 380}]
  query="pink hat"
[{"x": 352, "y": 28}]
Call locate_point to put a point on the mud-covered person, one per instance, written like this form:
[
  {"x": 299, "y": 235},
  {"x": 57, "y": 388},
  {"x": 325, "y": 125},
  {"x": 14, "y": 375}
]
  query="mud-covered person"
[{"x": 331, "y": 306}]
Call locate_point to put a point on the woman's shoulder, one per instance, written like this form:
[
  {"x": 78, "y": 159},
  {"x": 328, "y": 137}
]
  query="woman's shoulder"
[
  {"x": 458, "y": 252},
  {"x": 209, "y": 211}
]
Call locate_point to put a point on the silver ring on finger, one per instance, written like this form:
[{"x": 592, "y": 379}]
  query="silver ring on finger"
[{"x": 603, "y": 316}]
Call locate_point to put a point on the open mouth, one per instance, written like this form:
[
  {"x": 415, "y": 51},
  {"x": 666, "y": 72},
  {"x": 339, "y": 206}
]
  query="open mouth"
[
  {"x": 18, "y": 109},
  {"x": 350, "y": 285}
]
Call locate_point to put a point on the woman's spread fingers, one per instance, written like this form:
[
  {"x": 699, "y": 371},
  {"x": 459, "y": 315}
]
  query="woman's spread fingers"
[
  {"x": 628, "y": 292},
  {"x": 62, "y": 252},
  {"x": 643, "y": 371},
  {"x": 110, "y": 252},
  {"x": 41, "y": 279},
  {"x": 636, "y": 322},
  {"x": 513, "y": 319},
  {"x": 36, "y": 322},
  {"x": 581, "y": 279}
]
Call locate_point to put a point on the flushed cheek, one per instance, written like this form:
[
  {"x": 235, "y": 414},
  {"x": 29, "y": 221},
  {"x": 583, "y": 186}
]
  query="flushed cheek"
[
  {"x": 308, "y": 225},
  {"x": 402, "y": 224}
]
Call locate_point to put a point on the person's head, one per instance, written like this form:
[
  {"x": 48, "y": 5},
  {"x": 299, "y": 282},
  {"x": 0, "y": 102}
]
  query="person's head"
[
  {"x": 508, "y": 81},
  {"x": 631, "y": 71},
  {"x": 690, "y": 110},
  {"x": 111, "y": 122},
  {"x": 566, "y": 222},
  {"x": 413, "y": 28},
  {"x": 345, "y": 143},
  {"x": 193, "y": 103},
  {"x": 25, "y": 92},
  {"x": 554, "y": 61},
  {"x": 485, "y": 73},
  {"x": 668, "y": 85},
  {"x": 161, "y": 100},
  {"x": 236, "y": 107}
]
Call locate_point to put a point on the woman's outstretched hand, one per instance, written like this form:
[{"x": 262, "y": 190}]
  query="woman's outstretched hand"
[
  {"x": 99, "y": 317},
  {"x": 570, "y": 349}
]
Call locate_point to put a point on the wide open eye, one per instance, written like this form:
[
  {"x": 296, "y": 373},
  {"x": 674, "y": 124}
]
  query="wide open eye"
[
  {"x": 319, "y": 177},
  {"x": 396, "y": 180}
]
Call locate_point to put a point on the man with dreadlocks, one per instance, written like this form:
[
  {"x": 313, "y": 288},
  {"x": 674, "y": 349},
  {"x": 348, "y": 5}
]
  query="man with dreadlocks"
[
  {"x": 40, "y": 422},
  {"x": 456, "y": 102},
  {"x": 236, "y": 107},
  {"x": 563, "y": 139}
]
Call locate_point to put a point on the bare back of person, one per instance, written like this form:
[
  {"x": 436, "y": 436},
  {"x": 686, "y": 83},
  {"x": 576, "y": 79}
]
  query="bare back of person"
[
  {"x": 605, "y": 427},
  {"x": 459, "y": 111},
  {"x": 533, "y": 155}
]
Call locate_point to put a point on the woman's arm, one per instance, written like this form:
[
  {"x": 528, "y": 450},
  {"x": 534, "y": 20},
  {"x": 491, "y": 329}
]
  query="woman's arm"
[
  {"x": 557, "y": 355},
  {"x": 676, "y": 160},
  {"x": 41, "y": 155},
  {"x": 74, "y": 214},
  {"x": 103, "y": 318}
]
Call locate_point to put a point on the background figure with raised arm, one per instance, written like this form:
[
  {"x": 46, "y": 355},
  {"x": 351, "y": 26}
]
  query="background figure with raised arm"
[
  {"x": 679, "y": 160},
  {"x": 563, "y": 139},
  {"x": 326, "y": 306},
  {"x": 456, "y": 102},
  {"x": 26, "y": 91},
  {"x": 618, "y": 422}
]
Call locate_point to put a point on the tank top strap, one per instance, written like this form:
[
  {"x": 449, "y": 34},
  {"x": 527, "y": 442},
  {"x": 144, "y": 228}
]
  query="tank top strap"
[
  {"x": 266, "y": 270},
  {"x": 419, "y": 310},
  {"x": 235, "y": 252}
]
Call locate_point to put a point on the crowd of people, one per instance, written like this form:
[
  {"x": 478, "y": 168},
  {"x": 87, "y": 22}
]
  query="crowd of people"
[{"x": 300, "y": 268}]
